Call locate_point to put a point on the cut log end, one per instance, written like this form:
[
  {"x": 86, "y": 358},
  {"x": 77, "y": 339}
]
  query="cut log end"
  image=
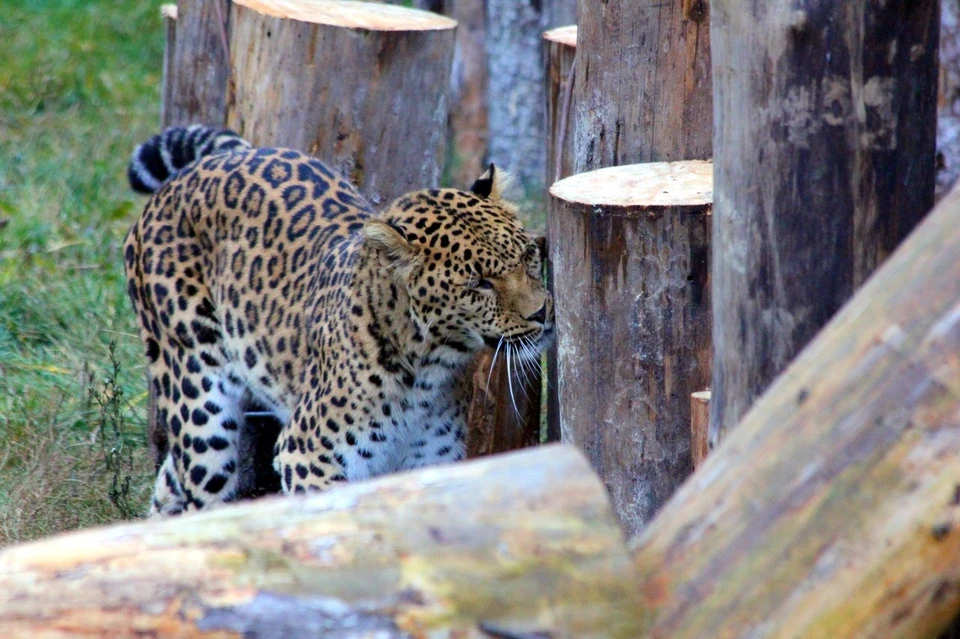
[
  {"x": 699, "y": 426},
  {"x": 562, "y": 35},
  {"x": 352, "y": 15},
  {"x": 658, "y": 184}
]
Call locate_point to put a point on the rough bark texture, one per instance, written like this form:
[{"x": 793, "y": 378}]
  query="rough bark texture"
[
  {"x": 505, "y": 403},
  {"x": 821, "y": 170},
  {"x": 200, "y": 64},
  {"x": 559, "y": 53},
  {"x": 362, "y": 87},
  {"x": 516, "y": 82},
  {"x": 168, "y": 13},
  {"x": 699, "y": 423},
  {"x": 518, "y": 546},
  {"x": 631, "y": 260},
  {"x": 643, "y": 87},
  {"x": 948, "y": 118},
  {"x": 833, "y": 509}
]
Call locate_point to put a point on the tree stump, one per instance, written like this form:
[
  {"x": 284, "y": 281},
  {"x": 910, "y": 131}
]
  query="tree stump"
[
  {"x": 643, "y": 87},
  {"x": 821, "y": 170},
  {"x": 195, "y": 87},
  {"x": 559, "y": 53},
  {"x": 363, "y": 87},
  {"x": 523, "y": 545},
  {"x": 833, "y": 508},
  {"x": 699, "y": 424},
  {"x": 631, "y": 264}
]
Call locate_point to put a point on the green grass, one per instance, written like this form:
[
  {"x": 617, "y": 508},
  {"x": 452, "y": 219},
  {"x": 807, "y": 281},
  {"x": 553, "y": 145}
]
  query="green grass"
[{"x": 78, "y": 89}]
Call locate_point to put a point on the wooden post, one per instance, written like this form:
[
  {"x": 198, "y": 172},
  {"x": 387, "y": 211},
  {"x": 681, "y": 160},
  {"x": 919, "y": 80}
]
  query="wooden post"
[
  {"x": 631, "y": 261},
  {"x": 523, "y": 545},
  {"x": 199, "y": 64},
  {"x": 821, "y": 170},
  {"x": 833, "y": 509},
  {"x": 168, "y": 12},
  {"x": 699, "y": 422},
  {"x": 559, "y": 53},
  {"x": 361, "y": 86},
  {"x": 643, "y": 87}
]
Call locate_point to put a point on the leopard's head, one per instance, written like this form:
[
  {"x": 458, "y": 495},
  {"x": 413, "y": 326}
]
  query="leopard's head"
[{"x": 472, "y": 273}]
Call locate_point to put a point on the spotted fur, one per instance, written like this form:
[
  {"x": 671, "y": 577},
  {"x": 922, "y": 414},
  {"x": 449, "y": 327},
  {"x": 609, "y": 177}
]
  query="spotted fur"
[{"x": 261, "y": 271}]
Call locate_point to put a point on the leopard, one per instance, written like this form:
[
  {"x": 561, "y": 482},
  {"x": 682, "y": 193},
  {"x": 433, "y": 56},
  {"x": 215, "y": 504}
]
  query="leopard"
[{"x": 260, "y": 272}]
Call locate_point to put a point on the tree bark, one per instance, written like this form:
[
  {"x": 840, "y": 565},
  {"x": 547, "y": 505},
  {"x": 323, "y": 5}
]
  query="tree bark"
[
  {"x": 559, "y": 53},
  {"x": 362, "y": 87},
  {"x": 643, "y": 87},
  {"x": 521, "y": 545},
  {"x": 699, "y": 423},
  {"x": 631, "y": 261},
  {"x": 820, "y": 171},
  {"x": 200, "y": 64},
  {"x": 948, "y": 102},
  {"x": 516, "y": 82},
  {"x": 833, "y": 509},
  {"x": 168, "y": 13},
  {"x": 468, "y": 131}
]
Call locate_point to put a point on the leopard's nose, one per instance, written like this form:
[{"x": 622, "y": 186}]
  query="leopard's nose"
[{"x": 540, "y": 316}]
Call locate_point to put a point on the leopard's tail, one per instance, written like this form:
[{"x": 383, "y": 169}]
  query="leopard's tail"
[{"x": 165, "y": 154}]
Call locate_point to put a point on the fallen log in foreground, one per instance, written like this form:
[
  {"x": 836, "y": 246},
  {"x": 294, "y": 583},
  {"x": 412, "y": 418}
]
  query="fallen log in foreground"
[
  {"x": 517, "y": 545},
  {"x": 833, "y": 508}
]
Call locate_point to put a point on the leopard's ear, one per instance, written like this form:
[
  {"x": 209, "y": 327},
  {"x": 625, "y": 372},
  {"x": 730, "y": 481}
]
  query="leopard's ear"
[
  {"x": 491, "y": 184},
  {"x": 388, "y": 241}
]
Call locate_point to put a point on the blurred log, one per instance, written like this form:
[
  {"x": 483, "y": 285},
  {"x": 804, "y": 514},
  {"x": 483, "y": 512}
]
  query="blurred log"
[
  {"x": 833, "y": 508},
  {"x": 196, "y": 82},
  {"x": 821, "y": 170},
  {"x": 643, "y": 87},
  {"x": 361, "y": 86},
  {"x": 627, "y": 363},
  {"x": 505, "y": 403},
  {"x": 699, "y": 422},
  {"x": 523, "y": 545},
  {"x": 468, "y": 132},
  {"x": 559, "y": 53}
]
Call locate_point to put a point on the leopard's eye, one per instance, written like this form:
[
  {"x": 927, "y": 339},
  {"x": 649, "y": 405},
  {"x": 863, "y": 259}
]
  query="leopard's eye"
[{"x": 483, "y": 284}]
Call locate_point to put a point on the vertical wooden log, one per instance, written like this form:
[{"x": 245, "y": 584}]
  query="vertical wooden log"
[
  {"x": 631, "y": 259},
  {"x": 821, "y": 170},
  {"x": 168, "y": 12},
  {"x": 559, "y": 53},
  {"x": 199, "y": 66},
  {"x": 361, "y": 86},
  {"x": 468, "y": 132},
  {"x": 699, "y": 422},
  {"x": 643, "y": 88}
]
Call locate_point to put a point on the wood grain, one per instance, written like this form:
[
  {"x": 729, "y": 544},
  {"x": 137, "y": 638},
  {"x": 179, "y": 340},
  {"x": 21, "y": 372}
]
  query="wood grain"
[{"x": 524, "y": 544}]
